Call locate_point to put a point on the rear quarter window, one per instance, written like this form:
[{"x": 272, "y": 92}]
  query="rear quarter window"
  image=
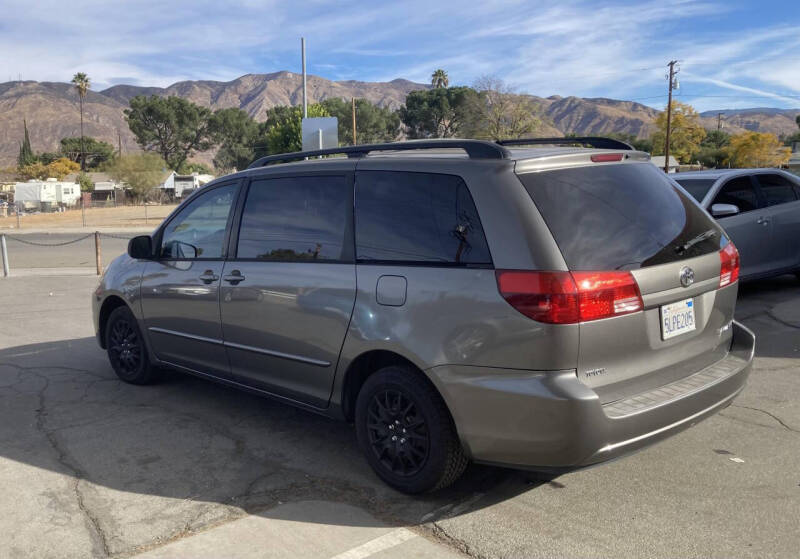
[
  {"x": 619, "y": 217},
  {"x": 417, "y": 218}
]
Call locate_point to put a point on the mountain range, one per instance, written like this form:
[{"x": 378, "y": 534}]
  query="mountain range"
[{"x": 51, "y": 108}]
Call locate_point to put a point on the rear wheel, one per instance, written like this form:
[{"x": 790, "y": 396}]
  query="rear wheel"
[
  {"x": 126, "y": 350},
  {"x": 406, "y": 433}
]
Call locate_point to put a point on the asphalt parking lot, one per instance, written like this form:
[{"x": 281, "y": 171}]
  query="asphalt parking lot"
[{"x": 91, "y": 467}]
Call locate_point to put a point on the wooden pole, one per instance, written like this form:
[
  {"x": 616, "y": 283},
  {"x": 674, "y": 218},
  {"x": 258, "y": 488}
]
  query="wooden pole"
[
  {"x": 669, "y": 114},
  {"x": 355, "y": 142},
  {"x": 97, "y": 255}
]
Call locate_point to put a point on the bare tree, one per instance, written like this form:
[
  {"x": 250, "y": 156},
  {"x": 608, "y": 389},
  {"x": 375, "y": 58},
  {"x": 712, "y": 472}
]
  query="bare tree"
[{"x": 502, "y": 114}]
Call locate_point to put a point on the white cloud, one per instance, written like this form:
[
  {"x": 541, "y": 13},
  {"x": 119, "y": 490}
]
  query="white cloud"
[{"x": 568, "y": 47}]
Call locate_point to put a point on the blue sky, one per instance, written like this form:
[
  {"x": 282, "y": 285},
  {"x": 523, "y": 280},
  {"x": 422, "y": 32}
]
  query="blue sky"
[{"x": 732, "y": 53}]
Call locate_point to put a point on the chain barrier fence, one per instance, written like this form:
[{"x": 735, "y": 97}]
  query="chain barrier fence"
[
  {"x": 86, "y": 213},
  {"x": 5, "y": 239}
]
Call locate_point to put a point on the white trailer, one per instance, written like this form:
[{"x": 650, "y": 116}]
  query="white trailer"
[
  {"x": 68, "y": 193},
  {"x": 30, "y": 195}
]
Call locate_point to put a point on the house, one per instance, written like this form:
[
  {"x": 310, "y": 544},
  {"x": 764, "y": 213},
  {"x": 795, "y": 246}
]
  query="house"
[
  {"x": 658, "y": 161},
  {"x": 7, "y": 183},
  {"x": 105, "y": 187},
  {"x": 179, "y": 186}
]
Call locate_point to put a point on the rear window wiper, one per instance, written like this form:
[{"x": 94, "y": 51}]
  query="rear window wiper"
[{"x": 693, "y": 241}]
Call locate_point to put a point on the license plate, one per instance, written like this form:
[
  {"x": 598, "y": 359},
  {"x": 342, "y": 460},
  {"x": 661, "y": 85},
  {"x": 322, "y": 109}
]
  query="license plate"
[{"x": 677, "y": 318}]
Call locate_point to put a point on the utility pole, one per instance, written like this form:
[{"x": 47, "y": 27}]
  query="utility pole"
[
  {"x": 672, "y": 73},
  {"x": 719, "y": 122},
  {"x": 305, "y": 98},
  {"x": 119, "y": 143},
  {"x": 354, "y": 121}
]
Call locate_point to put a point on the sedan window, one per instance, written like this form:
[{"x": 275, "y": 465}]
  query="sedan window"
[
  {"x": 776, "y": 189},
  {"x": 739, "y": 192},
  {"x": 698, "y": 188}
]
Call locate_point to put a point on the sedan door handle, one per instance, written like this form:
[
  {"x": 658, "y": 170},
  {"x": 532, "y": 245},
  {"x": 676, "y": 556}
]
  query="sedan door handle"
[
  {"x": 234, "y": 277},
  {"x": 209, "y": 277}
]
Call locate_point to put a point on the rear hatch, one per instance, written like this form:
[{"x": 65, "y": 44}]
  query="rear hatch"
[{"x": 629, "y": 217}]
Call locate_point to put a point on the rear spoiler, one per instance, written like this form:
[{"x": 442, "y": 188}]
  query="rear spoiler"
[{"x": 592, "y": 141}]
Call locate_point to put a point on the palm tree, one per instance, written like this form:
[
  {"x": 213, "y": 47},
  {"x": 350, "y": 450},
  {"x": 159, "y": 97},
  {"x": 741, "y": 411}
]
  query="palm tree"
[
  {"x": 439, "y": 79},
  {"x": 81, "y": 82}
]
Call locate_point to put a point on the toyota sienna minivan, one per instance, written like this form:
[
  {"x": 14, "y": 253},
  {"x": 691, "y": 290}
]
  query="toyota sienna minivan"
[{"x": 545, "y": 308}]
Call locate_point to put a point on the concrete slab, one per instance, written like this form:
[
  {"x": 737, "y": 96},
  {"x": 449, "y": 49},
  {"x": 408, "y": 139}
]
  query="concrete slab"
[
  {"x": 304, "y": 529},
  {"x": 92, "y": 467}
]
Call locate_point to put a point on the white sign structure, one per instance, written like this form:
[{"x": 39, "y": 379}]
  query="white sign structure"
[{"x": 320, "y": 133}]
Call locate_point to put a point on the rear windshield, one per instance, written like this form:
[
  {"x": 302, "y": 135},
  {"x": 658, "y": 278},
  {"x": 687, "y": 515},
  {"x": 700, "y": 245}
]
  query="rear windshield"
[
  {"x": 620, "y": 217},
  {"x": 698, "y": 188}
]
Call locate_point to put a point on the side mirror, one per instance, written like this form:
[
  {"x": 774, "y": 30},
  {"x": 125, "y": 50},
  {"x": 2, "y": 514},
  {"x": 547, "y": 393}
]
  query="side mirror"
[
  {"x": 141, "y": 247},
  {"x": 723, "y": 210}
]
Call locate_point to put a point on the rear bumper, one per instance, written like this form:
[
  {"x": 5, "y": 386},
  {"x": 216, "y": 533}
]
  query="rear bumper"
[{"x": 551, "y": 420}]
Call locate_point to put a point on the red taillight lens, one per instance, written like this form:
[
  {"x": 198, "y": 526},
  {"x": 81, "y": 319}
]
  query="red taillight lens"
[
  {"x": 569, "y": 297},
  {"x": 728, "y": 265},
  {"x": 606, "y": 157}
]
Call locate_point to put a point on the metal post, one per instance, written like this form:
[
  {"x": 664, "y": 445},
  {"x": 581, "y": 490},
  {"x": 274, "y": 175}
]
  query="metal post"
[
  {"x": 319, "y": 137},
  {"x": 83, "y": 210},
  {"x": 4, "y": 251},
  {"x": 97, "y": 255},
  {"x": 145, "y": 212},
  {"x": 354, "y": 121},
  {"x": 16, "y": 210},
  {"x": 305, "y": 98}
]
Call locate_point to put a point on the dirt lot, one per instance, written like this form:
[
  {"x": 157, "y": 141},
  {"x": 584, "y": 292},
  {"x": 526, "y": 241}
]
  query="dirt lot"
[{"x": 120, "y": 216}]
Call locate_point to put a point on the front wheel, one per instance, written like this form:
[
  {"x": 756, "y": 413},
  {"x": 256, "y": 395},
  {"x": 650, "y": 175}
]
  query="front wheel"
[
  {"x": 126, "y": 350},
  {"x": 406, "y": 433}
]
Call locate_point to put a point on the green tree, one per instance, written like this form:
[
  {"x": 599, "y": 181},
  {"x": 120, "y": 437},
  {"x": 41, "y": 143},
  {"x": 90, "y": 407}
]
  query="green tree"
[
  {"x": 190, "y": 167},
  {"x": 374, "y": 124},
  {"x": 639, "y": 144},
  {"x": 173, "y": 127},
  {"x": 85, "y": 181},
  {"x": 686, "y": 133},
  {"x": 236, "y": 133},
  {"x": 713, "y": 150},
  {"x": 439, "y": 78},
  {"x": 439, "y": 113},
  {"x": 500, "y": 114},
  {"x": 282, "y": 131},
  {"x": 94, "y": 152},
  {"x": 26, "y": 155},
  {"x": 81, "y": 83},
  {"x": 141, "y": 172}
]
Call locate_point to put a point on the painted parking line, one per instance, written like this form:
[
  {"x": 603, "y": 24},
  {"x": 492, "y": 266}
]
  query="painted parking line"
[{"x": 381, "y": 543}]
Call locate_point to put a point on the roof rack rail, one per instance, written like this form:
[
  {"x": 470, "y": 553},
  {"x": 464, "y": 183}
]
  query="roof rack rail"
[
  {"x": 594, "y": 141},
  {"x": 476, "y": 149}
]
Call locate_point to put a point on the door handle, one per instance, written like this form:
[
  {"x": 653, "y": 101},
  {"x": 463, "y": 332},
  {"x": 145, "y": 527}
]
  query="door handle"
[
  {"x": 209, "y": 276},
  {"x": 234, "y": 277},
  {"x": 763, "y": 221}
]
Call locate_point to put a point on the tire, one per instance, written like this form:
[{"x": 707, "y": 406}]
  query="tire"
[
  {"x": 126, "y": 350},
  {"x": 425, "y": 453}
]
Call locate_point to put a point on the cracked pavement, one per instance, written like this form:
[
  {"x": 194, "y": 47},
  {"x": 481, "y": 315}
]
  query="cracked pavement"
[{"x": 92, "y": 467}]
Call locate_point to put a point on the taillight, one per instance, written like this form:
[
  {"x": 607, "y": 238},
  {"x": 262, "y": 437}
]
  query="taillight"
[
  {"x": 570, "y": 297},
  {"x": 728, "y": 265},
  {"x": 606, "y": 157}
]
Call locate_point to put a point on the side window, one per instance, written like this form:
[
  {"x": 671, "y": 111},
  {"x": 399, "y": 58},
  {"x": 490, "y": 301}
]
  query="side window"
[
  {"x": 740, "y": 192},
  {"x": 198, "y": 231},
  {"x": 776, "y": 189},
  {"x": 295, "y": 219},
  {"x": 417, "y": 217}
]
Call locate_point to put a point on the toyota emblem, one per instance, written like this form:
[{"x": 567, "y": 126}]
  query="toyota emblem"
[{"x": 687, "y": 276}]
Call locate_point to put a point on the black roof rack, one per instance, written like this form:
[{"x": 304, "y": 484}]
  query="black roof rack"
[
  {"x": 476, "y": 149},
  {"x": 594, "y": 141}
]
